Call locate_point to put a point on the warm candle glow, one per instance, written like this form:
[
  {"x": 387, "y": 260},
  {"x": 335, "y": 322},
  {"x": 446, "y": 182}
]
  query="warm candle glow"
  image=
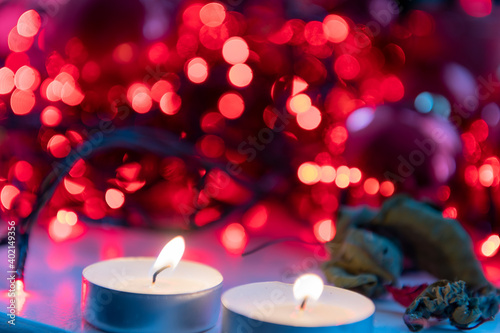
[
  {"x": 306, "y": 288},
  {"x": 169, "y": 256}
]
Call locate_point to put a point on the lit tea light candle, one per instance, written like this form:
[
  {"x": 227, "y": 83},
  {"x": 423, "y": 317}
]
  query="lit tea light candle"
[
  {"x": 306, "y": 306},
  {"x": 141, "y": 294}
]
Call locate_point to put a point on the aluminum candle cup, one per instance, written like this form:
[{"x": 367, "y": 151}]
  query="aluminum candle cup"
[
  {"x": 270, "y": 307},
  {"x": 118, "y": 296}
]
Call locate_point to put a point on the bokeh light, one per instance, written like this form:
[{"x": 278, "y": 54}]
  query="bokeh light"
[
  {"x": 310, "y": 119},
  {"x": 386, "y": 188},
  {"x": 22, "y": 102},
  {"x": 29, "y": 23},
  {"x": 240, "y": 75},
  {"x": 231, "y": 105},
  {"x": 299, "y": 103},
  {"x": 309, "y": 173},
  {"x": 234, "y": 238},
  {"x": 197, "y": 70},
  {"x": 371, "y": 186},
  {"x": 328, "y": 174},
  {"x": 235, "y": 50},
  {"x": 7, "y": 195},
  {"x": 170, "y": 103},
  {"x": 490, "y": 246},
  {"x": 347, "y": 67},
  {"x": 324, "y": 230},
  {"x": 335, "y": 28},
  {"x": 6, "y": 80},
  {"x": 51, "y": 116},
  {"x": 114, "y": 198},
  {"x": 212, "y": 14}
]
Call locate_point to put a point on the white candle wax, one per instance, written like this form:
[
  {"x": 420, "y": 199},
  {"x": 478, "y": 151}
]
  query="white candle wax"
[
  {"x": 272, "y": 307},
  {"x": 118, "y": 296},
  {"x": 131, "y": 275}
]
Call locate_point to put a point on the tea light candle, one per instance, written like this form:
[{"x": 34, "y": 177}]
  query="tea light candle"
[
  {"x": 141, "y": 294},
  {"x": 307, "y": 306}
]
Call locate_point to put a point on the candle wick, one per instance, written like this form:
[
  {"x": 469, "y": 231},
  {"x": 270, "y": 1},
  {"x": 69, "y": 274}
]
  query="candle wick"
[
  {"x": 158, "y": 272},
  {"x": 303, "y": 304}
]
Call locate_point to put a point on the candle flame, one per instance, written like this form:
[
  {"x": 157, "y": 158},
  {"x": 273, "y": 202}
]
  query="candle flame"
[
  {"x": 169, "y": 257},
  {"x": 307, "y": 287}
]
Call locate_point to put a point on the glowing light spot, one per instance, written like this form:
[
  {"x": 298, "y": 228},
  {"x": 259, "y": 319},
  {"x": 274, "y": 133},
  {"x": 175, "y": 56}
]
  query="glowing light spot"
[
  {"x": 51, "y": 116},
  {"x": 7, "y": 195},
  {"x": 342, "y": 180},
  {"x": 443, "y": 193},
  {"x": 59, "y": 231},
  {"x": 491, "y": 114},
  {"x": 212, "y": 146},
  {"x": 424, "y": 102},
  {"x": 71, "y": 95},
  {"x": 387, "y": 188},
  {"x": 197, "y": 70},
  {"x": 471, "y": 175},
  {"x": 234, "y": 238},
  {"x": 314, "y": 33},
  {"x": 299, "y": 103},
  {"x": 335, "y": 28},
  {"x": 328, "y": 174},
  {"x": 240, "y": 75},
  {"x": 310, "y": 119},
  {"x": 309, "y": 173},
  {"x": 359, "y": 119},
  {"x": 29, "y": 23},
  {"x": 22, "y": 102},
  {"x": 67, "y": 217},
  {"x": 59, "y": 146},
  {"x": 73, "y": 187},
  {"x": 235, "y": 50},
  {"x": 371, "y": 186},
  {"x": 53, "y": 91},
  {"x": 191, "y": 16},
  {"x": 6, "y": 80},
  {"x": 354, "y": 175},
  {"x": 479, "y": 129},
  {"x": 158, "y": 53},
  {"x": 170, "y": 103},
  {"x": 450, "y": 213},
  {"x": 142, "y": 103},
  {"x": 23, "y": 171},
  {"x": 256, "y": 217},
  {"x": 18, "y": 43},
  {"x": 114, "y": 198},
  {"x": 347, "y": 67},
  {"x": 324, "y": 230},
  {"x": 490, "y": 246},
  {"x": 212, "y": 14},
  {"x": 231, "y": 105},
  {"x": 486, "y": 175},
  {"x": 477, "y": 8},
  {"x": 338, "y": 135},
  {"x": 392, "y": 89},
  {"x": 160, "y": 88},
  {"x": 123, "y": 53},
  {"x": 27, "y": 78}
]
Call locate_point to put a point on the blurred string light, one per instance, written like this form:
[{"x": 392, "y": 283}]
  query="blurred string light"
[
  {"x": 324, "y": 230},
  {"x": 490, "y": 246},
  {"x": 426, "y": 102}
]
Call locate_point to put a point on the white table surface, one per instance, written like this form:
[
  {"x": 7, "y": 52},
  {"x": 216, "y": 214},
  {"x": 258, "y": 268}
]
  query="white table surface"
[{"x": 53, "y": 274}]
